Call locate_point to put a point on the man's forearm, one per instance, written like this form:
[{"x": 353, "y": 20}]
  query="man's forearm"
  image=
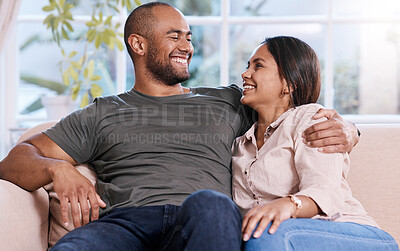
[{"x": 26, "y": 167}]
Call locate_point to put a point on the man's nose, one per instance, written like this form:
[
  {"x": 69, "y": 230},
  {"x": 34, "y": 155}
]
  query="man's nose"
[{"x": 185, "y": 45}]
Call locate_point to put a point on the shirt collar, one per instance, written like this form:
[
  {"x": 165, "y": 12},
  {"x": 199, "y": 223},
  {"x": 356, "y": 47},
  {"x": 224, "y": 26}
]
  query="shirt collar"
[{"x": 250, "y": 133}]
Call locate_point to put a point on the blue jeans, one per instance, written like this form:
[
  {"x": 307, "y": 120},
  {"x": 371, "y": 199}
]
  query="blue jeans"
[
  {"x": 207, "y": 220},
  {"x": 312, "y": 234}
]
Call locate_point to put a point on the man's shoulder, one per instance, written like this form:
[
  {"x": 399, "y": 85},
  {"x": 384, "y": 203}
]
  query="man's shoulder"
[
  {"x": 115, "y": 99},
  {"x": 231, "y": 92}
]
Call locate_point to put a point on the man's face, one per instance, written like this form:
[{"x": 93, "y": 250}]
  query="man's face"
[{"x": 170, "y": 49}]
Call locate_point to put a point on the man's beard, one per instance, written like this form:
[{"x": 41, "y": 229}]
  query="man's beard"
[{"x": 165, "y": 72}]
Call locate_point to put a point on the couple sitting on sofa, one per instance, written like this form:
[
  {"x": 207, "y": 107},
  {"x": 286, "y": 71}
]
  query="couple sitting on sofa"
[{"x": 163, "y": 155}]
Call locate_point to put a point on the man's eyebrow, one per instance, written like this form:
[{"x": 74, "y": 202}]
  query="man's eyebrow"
[{"x": 179, "y": 32}]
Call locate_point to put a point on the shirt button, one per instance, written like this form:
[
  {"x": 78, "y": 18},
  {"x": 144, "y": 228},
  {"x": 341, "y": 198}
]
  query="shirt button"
[
  {"x": 254, "y": 196},
  {"x": 245, "y": 172}
]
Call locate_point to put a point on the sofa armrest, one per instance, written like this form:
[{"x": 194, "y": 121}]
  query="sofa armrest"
[{"x": 23, "y": 218}]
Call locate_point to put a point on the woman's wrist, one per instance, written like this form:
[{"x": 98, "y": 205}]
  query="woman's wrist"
[{"x": 297, "y": 204}]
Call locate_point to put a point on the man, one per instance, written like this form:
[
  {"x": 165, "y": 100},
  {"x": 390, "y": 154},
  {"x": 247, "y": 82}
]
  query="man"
[{"x": 151, "y": 147}]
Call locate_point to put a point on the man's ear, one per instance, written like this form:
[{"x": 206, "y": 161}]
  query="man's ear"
[{"x": 137, "y": 44}]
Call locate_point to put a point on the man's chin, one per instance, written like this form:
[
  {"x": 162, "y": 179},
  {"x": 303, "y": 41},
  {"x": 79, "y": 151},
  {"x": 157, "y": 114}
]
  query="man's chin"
[{"x": 178, "y": 80}]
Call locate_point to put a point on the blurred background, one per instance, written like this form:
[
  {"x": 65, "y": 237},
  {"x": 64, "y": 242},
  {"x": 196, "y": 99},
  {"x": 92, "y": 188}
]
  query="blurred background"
[{"x": 357, "y": 42}]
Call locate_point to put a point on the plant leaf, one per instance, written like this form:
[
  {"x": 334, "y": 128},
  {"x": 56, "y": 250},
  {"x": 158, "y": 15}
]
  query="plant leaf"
[
  {"x": 138, "y": 2},
  {"x": 90, "y": 68},
  {"x": 76, "y": 65},
  {"x": 65, "y": 77},
  {"x": 108, "y": 21},
  {"x": 75, "y": 91},
  {"x": 96, "y": 91},
  {"x": 98, "y": 40},
  {"x": 59, "y": 88},
  {"x": 74, "y": 74},
  {"x": 72, "y": 54},
  {"x": 34, "y": 106},
  {"x": 85, "y": 100},
  {"x": 95, "y": 78},
  {"x": 48, "y": 8},
  {"x": 120, "y": 45}
]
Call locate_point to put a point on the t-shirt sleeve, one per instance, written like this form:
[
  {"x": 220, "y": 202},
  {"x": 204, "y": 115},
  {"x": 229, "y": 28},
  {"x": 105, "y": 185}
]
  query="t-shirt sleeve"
[{"x": 75, "y": 134}]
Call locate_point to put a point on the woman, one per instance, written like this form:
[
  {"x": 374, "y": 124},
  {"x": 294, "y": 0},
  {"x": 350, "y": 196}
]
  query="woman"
[{"x": 277, "y": 178}]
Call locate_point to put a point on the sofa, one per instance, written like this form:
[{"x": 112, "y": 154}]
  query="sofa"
[{"x": 31, "y": 221}]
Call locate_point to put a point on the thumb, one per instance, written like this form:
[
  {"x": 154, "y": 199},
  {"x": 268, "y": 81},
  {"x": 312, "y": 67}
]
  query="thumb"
[
  {"x": 101, "y": 202},
  {"x": 327, "y": 113}
]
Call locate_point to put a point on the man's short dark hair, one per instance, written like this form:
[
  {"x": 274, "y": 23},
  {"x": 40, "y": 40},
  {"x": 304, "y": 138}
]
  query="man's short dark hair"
[{"x": 141, "y": 21}]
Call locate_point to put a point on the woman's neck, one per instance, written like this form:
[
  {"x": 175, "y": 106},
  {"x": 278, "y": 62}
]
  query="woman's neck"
[{"x": 266, "y": 116}]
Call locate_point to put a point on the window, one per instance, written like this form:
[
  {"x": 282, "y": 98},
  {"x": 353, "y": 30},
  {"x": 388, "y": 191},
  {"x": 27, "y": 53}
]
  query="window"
[{"x": 357, "y": 42}]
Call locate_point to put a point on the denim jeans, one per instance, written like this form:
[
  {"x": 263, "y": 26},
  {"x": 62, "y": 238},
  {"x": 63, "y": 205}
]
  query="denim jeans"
[
  {"x": 312, "y": 234},
  {"x": 207, "y": 220}
]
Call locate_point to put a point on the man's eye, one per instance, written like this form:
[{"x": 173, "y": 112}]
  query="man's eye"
[
  {"x": 189, "y": 39},
  {"x": 175, "y": 38},
  {"x": 259, "y": 65}
]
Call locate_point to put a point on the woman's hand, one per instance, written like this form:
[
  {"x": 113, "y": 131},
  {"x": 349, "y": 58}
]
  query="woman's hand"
[{"x": 276, "y": 211}]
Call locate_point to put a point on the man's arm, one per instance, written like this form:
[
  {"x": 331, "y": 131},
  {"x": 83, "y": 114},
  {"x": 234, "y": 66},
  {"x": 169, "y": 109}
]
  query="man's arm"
[
  {"x": 333, "y": 135},
  {"x": 39, "y": 161}
]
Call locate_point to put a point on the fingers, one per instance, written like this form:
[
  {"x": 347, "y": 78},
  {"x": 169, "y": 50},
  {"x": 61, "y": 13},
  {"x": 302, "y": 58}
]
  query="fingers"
[
  {"x": 251, "y": 224},
  {"x": 76, "y": 216},
  {"x": 64, "y": 208},
  {"x": 262, "y": 226},
  {"x": 101, "y": 202},
  {"x": 85, "y": 210},
  {"x": 274, "y": 226},
  {"x": 327, "y": 113},
  {"x": 94, "y": 203},
  {"x": 315, "y": 131}
]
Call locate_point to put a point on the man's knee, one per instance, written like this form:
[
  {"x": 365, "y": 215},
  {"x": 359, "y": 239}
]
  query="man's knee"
[{"x": 207, "y": 201}]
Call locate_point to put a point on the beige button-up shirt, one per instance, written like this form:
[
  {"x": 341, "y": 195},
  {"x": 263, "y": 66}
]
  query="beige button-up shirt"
[{"x": 285, "y": 165}]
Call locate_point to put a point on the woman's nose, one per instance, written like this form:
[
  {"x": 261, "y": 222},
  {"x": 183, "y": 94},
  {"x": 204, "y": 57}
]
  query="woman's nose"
[{"x": 246, "y": 74}]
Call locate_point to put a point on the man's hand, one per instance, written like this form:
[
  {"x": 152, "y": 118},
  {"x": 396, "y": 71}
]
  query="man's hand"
[
  {"x": 333, "y": 135},
  {"x": 277, "y": 211},
  {"x": 72, "y": 187}
]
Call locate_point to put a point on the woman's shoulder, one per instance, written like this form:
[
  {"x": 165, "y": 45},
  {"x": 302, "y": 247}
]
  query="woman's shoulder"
[{"x": 302, "y": 116}]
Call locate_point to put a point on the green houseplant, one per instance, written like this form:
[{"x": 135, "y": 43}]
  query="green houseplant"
[{"x": 81, "y": 68}]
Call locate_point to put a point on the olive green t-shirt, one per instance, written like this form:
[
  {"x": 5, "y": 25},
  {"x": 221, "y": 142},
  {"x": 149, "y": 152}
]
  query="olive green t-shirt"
[{"x": 156, "y": 150}]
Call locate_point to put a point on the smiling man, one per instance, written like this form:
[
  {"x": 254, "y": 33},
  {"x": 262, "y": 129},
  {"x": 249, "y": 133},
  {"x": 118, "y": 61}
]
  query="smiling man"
[{"x": 162, "y": 152}]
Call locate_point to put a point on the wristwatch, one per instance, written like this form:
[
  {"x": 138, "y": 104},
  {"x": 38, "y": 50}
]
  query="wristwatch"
[{"x": 297, "y": 202}]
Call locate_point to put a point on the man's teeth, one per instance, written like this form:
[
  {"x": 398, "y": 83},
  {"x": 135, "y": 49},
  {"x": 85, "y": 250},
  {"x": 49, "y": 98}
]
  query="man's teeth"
[
  {"x": 248, "y": 87},
  {"x": 180, "y": 60}
]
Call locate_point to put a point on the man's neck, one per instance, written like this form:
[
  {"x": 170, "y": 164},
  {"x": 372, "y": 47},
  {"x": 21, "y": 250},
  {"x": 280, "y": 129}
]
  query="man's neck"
[{"x": 161, "y": 90}]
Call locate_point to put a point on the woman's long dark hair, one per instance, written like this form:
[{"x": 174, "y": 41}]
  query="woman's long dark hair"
[{"x": 298, "y": 65}]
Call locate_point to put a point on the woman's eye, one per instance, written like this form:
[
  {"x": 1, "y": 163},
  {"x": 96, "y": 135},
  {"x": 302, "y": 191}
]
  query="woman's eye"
[{"x": 259, "y": 65}]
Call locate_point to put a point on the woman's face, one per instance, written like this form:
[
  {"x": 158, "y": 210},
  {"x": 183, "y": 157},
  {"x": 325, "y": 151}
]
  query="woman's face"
[{"x": 262, "y": 85}]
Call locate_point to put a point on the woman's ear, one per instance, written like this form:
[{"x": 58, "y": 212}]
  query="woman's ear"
[
  {"x": 286, "y": 88},
  {"x": 137, "y": 44}
]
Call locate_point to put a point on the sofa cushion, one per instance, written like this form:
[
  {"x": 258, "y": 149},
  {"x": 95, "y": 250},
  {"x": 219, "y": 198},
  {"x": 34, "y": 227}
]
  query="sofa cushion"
[
  {"x": 374, "y": 176},
  {"x": 56, "y": 226},
  {"x": 24, "y": 218}
]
